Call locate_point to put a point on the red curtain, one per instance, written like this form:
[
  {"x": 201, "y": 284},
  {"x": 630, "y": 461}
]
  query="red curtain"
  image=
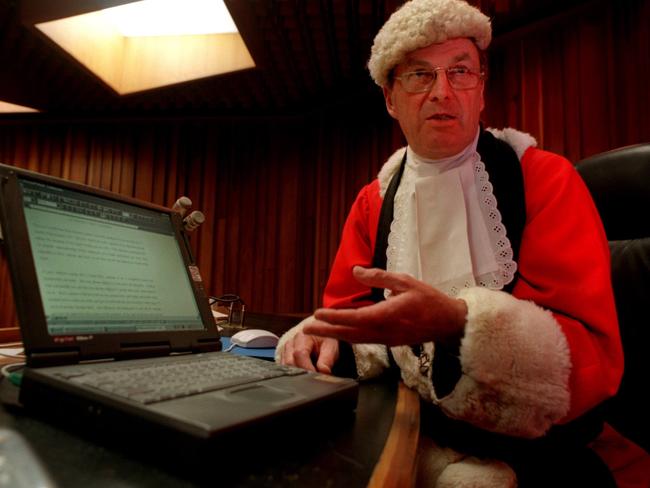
[
  {"x": 577, "y": 82},
  {"x": 276, "y": 190}
]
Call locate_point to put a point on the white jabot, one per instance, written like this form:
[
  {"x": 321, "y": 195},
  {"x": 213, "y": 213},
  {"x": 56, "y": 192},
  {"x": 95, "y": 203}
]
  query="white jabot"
[{"x": 446, "y": 229}]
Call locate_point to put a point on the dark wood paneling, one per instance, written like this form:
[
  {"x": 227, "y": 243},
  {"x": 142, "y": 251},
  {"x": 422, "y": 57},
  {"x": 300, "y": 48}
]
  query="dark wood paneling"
[
  {"x": 577, "y": 81},
  {"x": 276, "y": 190}
]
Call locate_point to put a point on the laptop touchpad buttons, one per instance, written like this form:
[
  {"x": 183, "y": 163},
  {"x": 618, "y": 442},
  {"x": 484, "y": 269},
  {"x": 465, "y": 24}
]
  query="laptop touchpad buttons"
[{"x": 258, "y": 393}]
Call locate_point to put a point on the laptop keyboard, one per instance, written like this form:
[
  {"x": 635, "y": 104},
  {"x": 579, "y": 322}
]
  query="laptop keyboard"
[{"x": 197, "y": 374}]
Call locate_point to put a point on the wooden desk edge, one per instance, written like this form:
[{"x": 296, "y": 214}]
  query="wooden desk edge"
[{"x": 398, "y": 461}]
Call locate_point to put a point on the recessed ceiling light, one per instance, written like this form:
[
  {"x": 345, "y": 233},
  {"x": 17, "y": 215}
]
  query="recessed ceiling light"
[
  {"x": 153, "y": 43},
  {"x": 171, "y": 18},
  {"x": 7, "y": 107}
]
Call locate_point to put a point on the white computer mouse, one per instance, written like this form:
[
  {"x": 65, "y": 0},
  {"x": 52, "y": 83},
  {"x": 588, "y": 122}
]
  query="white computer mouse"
[{"x": 254, "y": 338}]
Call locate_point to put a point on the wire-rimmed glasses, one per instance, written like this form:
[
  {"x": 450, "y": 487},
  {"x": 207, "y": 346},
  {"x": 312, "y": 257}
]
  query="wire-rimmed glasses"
[{"x": 422, "y": 79}]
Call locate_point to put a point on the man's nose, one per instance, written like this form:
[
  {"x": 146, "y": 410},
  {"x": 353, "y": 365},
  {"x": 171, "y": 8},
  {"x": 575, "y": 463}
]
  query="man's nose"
[{"x": 440, "y": 87}]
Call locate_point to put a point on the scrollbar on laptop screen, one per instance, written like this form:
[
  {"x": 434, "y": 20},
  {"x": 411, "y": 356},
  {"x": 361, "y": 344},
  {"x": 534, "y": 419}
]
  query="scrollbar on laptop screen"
[{"x": 105, "y": 266}]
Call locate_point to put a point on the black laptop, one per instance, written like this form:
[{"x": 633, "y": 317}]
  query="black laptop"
[{"x": 116, "y": 324}]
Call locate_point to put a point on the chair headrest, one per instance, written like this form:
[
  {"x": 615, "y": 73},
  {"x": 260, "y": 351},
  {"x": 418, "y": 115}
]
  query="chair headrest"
[{"x": 619, "y": 182}]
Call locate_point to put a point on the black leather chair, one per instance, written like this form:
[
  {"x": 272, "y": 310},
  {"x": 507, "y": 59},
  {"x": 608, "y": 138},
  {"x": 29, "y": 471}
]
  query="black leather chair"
[{"x": 619, "y": 181}]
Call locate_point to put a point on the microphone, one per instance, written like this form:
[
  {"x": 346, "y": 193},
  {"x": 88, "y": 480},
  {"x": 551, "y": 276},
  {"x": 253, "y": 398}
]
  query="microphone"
[
  {"x": 193, "y": 220},
  {"x": 182, "y": 205}
]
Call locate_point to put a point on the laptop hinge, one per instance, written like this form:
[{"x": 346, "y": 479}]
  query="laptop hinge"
[
  {"x": 40, "y": 359},
  {"x": 209, "y": 345},
  {"x": 132, "y": 351}
]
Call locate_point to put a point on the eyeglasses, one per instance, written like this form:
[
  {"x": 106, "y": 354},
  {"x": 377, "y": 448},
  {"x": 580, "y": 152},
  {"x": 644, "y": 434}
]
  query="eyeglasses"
[{"x": 421, "y": 80}]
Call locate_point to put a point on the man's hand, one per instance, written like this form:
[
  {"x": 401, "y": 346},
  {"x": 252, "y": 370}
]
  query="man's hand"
[
  {"x": 311, "y": 353},
  {"x": 415, "y": 313}
]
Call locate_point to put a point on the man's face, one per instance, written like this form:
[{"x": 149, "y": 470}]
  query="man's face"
[{"x": 443, "y": 121}]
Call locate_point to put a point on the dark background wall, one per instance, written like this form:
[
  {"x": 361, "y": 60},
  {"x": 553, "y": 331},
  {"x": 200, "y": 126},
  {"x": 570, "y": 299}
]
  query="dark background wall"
[{"x": 276, "y": 189}]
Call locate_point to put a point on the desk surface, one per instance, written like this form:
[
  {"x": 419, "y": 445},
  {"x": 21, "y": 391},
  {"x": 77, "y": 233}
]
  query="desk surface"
[
  {"x": 343, "y": 453},
  {"x": 341, "y": 456}
]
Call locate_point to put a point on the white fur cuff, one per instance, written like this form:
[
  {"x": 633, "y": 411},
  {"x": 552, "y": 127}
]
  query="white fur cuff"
[
  {"x": 371, "y": 359},
  {"x": 516, "y": 364}
]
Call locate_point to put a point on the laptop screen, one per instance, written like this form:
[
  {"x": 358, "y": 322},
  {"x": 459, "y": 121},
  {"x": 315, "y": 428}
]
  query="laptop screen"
[{"x": 105, "y": 266}]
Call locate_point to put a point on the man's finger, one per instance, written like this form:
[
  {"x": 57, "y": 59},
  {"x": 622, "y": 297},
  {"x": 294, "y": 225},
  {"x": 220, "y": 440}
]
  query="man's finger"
[
  {"x": 302, "y": 359},
  {"x": 302, "y": 349},
  {"x": 353, "y": 335},
  {"x": 287, "y": 354},
  {"x": 379, "y": 278},
  {"x": 328, "y": 316},
  {"x": 329, "y": 353},
  {"x": 321, "y": 329},
  {"x": 376, "y": 315}
]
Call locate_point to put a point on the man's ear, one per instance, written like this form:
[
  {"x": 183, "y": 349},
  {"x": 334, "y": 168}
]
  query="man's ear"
[{"x": 388, "y": 97}]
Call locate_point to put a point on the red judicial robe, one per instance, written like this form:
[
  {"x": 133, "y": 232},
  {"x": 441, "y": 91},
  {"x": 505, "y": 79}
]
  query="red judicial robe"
[{"x": 564, "y": 270}]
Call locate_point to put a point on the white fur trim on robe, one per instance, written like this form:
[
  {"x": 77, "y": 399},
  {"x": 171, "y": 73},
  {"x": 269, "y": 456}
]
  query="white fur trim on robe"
[
  {"x": 519, "y": 141},
  {"x": 515, "y": 364},
  {"x": 472, "y": 472},
  {"x": 371, "y": 359},
  {"x": 442, "y": 467}
]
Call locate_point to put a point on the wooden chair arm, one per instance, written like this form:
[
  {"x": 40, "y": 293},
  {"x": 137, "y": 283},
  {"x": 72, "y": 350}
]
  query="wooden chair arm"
[{"x": 398, "y": 461}]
